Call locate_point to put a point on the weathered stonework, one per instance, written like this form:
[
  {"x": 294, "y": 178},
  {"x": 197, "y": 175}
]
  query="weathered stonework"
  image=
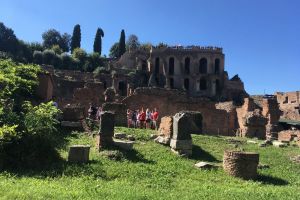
[
  {"x": 79, "y": 153},
  {"x": 119, "y": 110},
  {"x": 104, "y": 139},
  {"x": 166, "y": 126},
  {"x": 241, "y": 164}
]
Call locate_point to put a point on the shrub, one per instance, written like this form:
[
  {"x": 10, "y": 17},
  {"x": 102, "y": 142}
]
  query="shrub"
[
  {"x": 48, "y": 56},
  {"x": 38, "y": 57},
  {"x": 41, "y": 119}
]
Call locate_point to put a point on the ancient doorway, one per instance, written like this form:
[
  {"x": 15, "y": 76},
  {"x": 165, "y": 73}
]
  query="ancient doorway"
[
  {"x": 217, "y": 66},
  {"x": 171, "y": 66},
  {"x": 122, "y": 88},
  {"x": 203, "y": 84},
  {"x": 187, "y": 62},
  {"x": 186, "y": 84}
]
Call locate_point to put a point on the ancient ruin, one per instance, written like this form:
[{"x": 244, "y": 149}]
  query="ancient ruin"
[
  {"x": 79, "y": 153},
  {"x": 241, "y": 164},
  {"x": 104, "y": 139},
  {"x": 173, "y": 79}
]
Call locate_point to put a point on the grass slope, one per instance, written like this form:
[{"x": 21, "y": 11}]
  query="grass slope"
[{"x": 152, "y": 171}]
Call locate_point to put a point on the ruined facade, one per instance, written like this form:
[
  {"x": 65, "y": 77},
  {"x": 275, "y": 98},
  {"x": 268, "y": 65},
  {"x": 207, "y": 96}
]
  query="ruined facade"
[
  {"x": 289, "y": 104},
  {"x": 199, "y": 71}
]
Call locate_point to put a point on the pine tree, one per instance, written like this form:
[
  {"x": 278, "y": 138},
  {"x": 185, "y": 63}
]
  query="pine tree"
[
  {"x": 76, "y": 38},
  {"x": 98, "y": 41},
  {"x": 122, "y": 45}
]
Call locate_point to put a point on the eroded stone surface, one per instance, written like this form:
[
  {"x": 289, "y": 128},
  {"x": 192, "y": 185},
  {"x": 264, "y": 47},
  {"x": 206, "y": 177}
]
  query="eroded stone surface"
[{"x": 79, "y": 153}]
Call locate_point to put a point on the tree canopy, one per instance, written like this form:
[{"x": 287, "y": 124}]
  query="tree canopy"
[{"x": 53, "y": 37}]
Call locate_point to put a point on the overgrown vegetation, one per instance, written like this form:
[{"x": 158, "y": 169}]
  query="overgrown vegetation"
[{"x": 26, "y": 130}]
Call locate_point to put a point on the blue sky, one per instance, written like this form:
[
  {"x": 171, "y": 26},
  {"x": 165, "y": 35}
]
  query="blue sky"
[{"x": 260, "y": 38}]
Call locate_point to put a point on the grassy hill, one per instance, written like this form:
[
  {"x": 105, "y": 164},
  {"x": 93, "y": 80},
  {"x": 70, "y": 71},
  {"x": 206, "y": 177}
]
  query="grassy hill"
[{"x": 152, "y": 171}]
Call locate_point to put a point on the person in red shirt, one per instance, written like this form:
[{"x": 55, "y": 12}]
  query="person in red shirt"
[
  {"x": 155, "y": 118},
  {"x": 142, "y": 118}
]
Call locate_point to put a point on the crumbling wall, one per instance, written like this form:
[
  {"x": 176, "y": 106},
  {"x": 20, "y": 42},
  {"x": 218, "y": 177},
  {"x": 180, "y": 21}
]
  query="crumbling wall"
[
  {"x": 44, "y": 91},
  {"x": 250, "y": 120},
  {"x": 119, "y": 110},
  {"x": 289, "y": 104},
  {"x": 169, "y": 102}
]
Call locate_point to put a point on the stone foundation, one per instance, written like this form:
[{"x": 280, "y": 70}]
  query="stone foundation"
[
  {"x": 79, "y": 153},
  {"x": 241, "y": 164}
]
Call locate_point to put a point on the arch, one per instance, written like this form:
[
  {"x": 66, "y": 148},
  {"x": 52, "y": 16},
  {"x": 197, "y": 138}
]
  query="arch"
[
  {"x": 187, "y": 63},
  {"x": 122, "y": 88},
  {"x": 203, "y": 84},
  {"x": 171, "y": 66},
  {"x": 156, "y": 70},
  {"x": 171, "y": 80},
  {"x": 186, "y": 84},
  {"x": 217, "y": 66},
  {"x": 203, "y": 66}
]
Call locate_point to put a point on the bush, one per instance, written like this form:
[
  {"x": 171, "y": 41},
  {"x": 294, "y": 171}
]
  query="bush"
[
  {"x": 48, "y": 56},
  {"x": 41, "y": 119},
  {"x": 38, "y": 57}
]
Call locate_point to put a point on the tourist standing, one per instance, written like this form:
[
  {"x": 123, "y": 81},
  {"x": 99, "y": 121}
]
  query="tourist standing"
[
  {"x": 129, "y": 118},
  {"x": 148, "y": 118},
  {"x": 155, "y": 118}
]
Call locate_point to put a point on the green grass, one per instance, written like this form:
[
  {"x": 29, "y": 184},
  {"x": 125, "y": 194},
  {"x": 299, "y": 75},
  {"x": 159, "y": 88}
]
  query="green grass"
[{"x": 152, "y": 171}]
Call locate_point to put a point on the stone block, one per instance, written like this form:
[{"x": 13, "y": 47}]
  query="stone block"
[
  {"x": 106, "y": 131},
  {"x": 162, "y": 140},
  {"x": 241, "y": 164},
  {"x": 120, "y": 135},
  {"x": 126, "y": 145},
  {"x": 186, "y": 123},
  {"x": 73, "y": 113},
  {"x": 166, "y": 126},
  {"x": 279, "y": 144},
  {"x": 79, "y": 153},
  {"x": 181, "y": 144}
]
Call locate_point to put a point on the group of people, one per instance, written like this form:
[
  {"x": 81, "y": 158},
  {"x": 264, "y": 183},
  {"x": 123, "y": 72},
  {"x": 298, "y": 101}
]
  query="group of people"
[
  {"x": 142, "y": 119},
  {"x": 135, "y": 118}
]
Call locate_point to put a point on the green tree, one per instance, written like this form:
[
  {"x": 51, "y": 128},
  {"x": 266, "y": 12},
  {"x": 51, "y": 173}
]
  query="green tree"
[
  {"x": 132, "y": 43},
  {"x": 76, "y": 38},
  {"x": 56, "y": 49},
  {"x": 53, "y": 37},
  {"x": 98, "y": 41},
  {"x": 8, "y": 40},
  {"x": 122, "y": 45},
  {"x": 114, "y": 50}
]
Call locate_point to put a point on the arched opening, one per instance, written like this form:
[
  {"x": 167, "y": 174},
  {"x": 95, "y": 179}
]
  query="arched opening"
[
  {"x": 122, "y": 88},
  {"x": 186, "y": 84},
  {"x": 217, "y": 66},
  {"x": 171, "y": 66},
  {"x": 218, "y": 88},
  {"x": 104, "y": 85},
  {"x": 187, "y": 62},
  {"x": 203, "y": 66},
  {"x": 171, "y": 83},
  {"x": 203, "y": 84},
  {"x": 144, "y": 66},
  {"x": 156, "y": 70}
]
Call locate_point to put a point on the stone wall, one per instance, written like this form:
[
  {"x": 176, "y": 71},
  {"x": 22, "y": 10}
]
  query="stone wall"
[
  {"x": 44, "y": 91},
  {"x": 169, "y": 102},
  {"x": 251, "y": 122},
  {"x": 289, "y": 104},
  {"x": 119, "y": 110}
]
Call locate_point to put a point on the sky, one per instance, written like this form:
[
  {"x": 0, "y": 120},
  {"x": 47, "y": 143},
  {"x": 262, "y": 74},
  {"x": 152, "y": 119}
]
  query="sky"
[{"x": 260, "y": 38}]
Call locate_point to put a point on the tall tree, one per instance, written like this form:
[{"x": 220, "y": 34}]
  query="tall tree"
[
  {"x": 114, "y": 50},
  {"x": 98, "y": 41},
  {"x": 122, "y": 45},
  {"x": 132, "y": 43},
  {"x": 76, "y": 38},
  {"x": 8, "y": 40}
]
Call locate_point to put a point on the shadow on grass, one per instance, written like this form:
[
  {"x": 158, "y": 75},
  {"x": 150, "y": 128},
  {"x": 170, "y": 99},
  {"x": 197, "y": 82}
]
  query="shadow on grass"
[
  {"x": 63, "y": 168},
  {"x": 130, "y": 155},
  {"x": 269, "y": 180},
  {"x": 200, "y": 154}
]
